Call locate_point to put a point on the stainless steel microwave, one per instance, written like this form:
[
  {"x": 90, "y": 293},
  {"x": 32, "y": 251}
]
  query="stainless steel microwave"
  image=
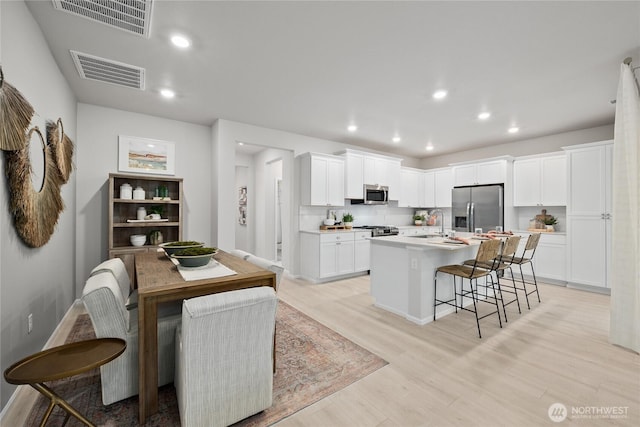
[{"x": 374, "y": 195}]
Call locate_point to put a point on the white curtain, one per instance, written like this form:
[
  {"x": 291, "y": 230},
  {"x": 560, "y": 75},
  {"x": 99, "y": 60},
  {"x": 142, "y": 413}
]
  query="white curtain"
[{"x": 625, "y": 263}]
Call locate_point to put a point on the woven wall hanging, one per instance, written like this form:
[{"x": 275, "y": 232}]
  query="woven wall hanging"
[
  {"x": 15, "y": 116},
  {"x": 35, "y": 213},
  {"x": 62, "y": 148}
]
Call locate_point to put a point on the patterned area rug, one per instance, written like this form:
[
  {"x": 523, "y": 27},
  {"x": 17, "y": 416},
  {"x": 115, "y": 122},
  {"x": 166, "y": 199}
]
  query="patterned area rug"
[{"x": 312, "y": 362}]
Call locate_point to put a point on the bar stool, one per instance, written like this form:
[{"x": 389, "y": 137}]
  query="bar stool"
[
  {"x": 487, "y": 252},
  {"x": 527, "y": 258},
  {"x": 499, "y": 266}
]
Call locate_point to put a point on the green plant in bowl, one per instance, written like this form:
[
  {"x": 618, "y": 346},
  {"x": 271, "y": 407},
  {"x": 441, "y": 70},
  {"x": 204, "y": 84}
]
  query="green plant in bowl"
[
  {"x": 172, "y": 247},
  {"x": 194, "y": 257}
]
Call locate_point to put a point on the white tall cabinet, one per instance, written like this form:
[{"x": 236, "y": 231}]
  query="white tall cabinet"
[{"x": 589, "y": 168}]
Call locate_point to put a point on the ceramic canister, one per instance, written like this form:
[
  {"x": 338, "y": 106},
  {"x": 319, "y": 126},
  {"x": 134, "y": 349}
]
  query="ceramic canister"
[
  {"x": 126, "y": 191},
  {"x": 142, "y": 212},
  {"x": 138, "y": 194}
]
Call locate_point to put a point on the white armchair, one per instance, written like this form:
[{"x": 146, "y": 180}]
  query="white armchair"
[
  {"x": 224, "y": 357},
  {"x": 105, "y": 304}
]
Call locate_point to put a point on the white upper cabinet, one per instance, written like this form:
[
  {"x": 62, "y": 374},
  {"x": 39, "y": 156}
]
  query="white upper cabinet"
[
  {"x": 426, "y": 188},
  {"x": 393, "y": 178},
  {"x": 590, "y": 180},
  {"x": 366, "y": 168},
  {"x": 540, "y": 181},
  {"x": 412, "y": 188},
  {"x": 321, "y": 180},
  {"x": 354, "y": 176},
  {"x": 428, "y": 193},
  {"x": 443, "y": 183},
  {"x": 491, "y": 172}
]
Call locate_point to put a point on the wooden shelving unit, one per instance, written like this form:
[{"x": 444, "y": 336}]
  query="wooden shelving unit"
[{"x": 121, "y": 210}]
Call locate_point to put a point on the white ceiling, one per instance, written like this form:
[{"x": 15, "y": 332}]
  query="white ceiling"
[{"x": 312, "y": 68}]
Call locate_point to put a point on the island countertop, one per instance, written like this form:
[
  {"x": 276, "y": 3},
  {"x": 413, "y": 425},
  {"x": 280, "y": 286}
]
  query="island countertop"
[
  {"x": 426, "y": 241},
  {"x": 402, "y": 272}
]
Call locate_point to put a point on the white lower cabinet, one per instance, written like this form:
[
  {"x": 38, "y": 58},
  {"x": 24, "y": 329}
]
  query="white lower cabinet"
[
  {"x": 549, "y": 260},
  {"x": 362, "y": 252},
  {"x": 333, "y": 254}
]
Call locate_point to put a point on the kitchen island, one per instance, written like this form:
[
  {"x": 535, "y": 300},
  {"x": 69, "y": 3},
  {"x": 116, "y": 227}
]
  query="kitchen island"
[{"x": 402, "y": 270}]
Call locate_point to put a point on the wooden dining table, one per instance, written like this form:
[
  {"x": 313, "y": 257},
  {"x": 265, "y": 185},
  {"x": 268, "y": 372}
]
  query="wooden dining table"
[{"x": 159, "y": 281}]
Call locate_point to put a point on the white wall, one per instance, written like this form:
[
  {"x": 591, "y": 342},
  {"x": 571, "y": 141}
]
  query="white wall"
[
  {"x": 39, "y": 281},
  {"x": 546, "y": 144},
  {"x": 98, "y": 130}
]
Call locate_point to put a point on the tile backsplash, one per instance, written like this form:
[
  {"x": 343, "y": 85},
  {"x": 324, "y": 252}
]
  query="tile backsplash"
[{"x": 311, "y": 217}]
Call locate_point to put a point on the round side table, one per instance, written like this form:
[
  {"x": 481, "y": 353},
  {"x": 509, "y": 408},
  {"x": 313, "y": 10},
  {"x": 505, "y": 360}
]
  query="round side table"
[{"x": 61, "y": 362}]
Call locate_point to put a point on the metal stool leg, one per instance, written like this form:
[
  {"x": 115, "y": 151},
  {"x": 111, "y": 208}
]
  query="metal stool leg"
[
  {"x": 535, "y": 281},
  {"x": 495, "y": 299},
  {"x": 475, "y": 308},
  {"x": 524, "y": 287}
]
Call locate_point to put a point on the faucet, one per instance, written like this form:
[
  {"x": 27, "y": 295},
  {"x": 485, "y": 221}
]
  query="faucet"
[{"x": 434, "y": 212}]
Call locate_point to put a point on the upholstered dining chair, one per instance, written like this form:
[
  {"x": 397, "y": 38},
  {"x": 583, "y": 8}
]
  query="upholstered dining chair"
[
  {"x": 116, "y": 267},
  {"x": 527, "y": 258},
  {"x": 240, "y": 253},
  {"x": 224, "y": 356},
  {"x": 267, "y": 265},
  {"x": 487, "y": 253},
  {"x": 105, "y": 304}
]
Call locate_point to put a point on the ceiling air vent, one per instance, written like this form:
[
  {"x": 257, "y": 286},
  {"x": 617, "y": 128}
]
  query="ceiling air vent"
[
  {"x": 133, "y": 16},
  {"x": 108, "y": 71}
]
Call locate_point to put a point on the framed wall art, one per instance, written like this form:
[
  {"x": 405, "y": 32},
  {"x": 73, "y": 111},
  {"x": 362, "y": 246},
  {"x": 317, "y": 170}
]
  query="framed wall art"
[
  {"x": 145, "y": 155},
  {"x": 242, "y": 205}
]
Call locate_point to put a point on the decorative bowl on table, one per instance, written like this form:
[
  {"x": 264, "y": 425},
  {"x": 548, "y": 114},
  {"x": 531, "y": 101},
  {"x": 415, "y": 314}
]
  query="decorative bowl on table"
[
  {"x": 138, "y": 239},
  {"x": 194, "y": 257},
  {"x": 172, "y": 247}
]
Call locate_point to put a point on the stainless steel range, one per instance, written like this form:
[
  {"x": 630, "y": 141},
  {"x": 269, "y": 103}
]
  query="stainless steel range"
[{"x": 381, "y": 230}]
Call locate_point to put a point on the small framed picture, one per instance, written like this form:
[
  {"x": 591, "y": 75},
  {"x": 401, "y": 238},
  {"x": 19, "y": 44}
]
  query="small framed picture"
[{"x": 145, "y": 155}]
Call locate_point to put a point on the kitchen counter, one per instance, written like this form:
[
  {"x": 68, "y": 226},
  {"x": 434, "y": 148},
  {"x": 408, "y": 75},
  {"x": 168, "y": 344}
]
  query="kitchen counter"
[
  {"x": 402, "y": 270},
  {"x": 352, "y": 230}
]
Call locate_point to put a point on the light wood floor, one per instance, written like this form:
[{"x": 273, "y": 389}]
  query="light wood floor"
[{"x": 441, "y": 374}]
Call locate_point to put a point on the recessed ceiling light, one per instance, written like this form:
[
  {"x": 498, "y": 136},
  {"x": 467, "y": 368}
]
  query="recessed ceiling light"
[
  {"x": 167, "y": 93},
  {"x": 514, "y": 129},
  {"x": 396, "y": 139},
  {"x": 240, "y": 143},
  {"x": 484, "y": 115},
  {"x": 440, "y": 94},
  {"x": 352, "y": 128},
  {"x": 429, "y": 147},
  {"x": 180, "y": 41}
]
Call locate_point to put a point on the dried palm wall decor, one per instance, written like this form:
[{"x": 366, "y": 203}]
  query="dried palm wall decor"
[
  {"x": 62, "y": 148},
  {"x": 15, "y": 116},
  {"x": 35, "y": 212}
]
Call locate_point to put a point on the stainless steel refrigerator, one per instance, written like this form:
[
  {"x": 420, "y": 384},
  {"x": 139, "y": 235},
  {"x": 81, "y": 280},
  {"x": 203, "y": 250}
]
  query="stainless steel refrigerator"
[{"x": 478, "y": 206}]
